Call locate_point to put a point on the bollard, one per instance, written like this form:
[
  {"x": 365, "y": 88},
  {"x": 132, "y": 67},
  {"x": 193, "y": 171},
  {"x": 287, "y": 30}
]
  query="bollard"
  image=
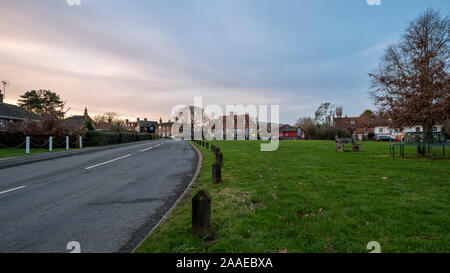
[
  {"x": 207, "y": 145},
  {"x": 216, "y": 173},
  {"x": 203, "y": 143},
  {"x": 81, "y": 142},
  {"x": 27, "y": 145},
  {"x": 213, "y": 148},
  {"x": 67, "y": 143},
  {"x": 201, "y": 214},
  {"x": 50, "y": 144}
]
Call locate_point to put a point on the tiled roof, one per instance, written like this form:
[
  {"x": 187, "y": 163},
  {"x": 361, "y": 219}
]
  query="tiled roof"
[{"x": 14, "y": 112}]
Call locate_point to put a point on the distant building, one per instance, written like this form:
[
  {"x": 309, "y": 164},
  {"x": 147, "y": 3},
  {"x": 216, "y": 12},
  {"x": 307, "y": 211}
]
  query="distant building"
[
  {"x": 288, "y": 132},
  {"x": 81, "y": 120},
  {"x": 164, "y": 128},
  {"x": 10, "y": 113},
  {"x": 233, "y": 126},
  {"x": 386, "y": 130},
  {"x": 142, "y": 126}
]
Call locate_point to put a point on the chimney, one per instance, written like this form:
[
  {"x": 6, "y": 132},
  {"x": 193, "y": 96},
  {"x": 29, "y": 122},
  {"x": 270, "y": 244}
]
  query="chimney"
[
  {"x": 127, "y": 121},
  {"x": 1, "y": 97},
  {"x": 85, "y": 113},
  {"x": 145, "y": 119}
]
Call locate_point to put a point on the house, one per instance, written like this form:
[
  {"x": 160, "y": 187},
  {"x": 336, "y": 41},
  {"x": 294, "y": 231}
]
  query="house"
[
  {"x": 289, "y": 132},
  {"x": 386, "y": 130},
  {"x": 81, "y": 120},
  {"x": 164, "y": 129},
  {"x": 234, "y": 126},
  {"x": 362, "y": 127},
  {"x": 142, "y": 126},
  {"x": 10, "y": 113}
]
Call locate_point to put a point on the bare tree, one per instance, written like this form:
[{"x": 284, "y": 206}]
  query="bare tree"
[
  {"x": 412, "y": 84},
  {"x": 308, "y": 125}
]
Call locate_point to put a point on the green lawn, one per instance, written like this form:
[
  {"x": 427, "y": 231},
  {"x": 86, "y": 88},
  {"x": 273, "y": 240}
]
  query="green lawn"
[
  {"x": 19, "y": 152},
  {"x": 306, "y": 197}
]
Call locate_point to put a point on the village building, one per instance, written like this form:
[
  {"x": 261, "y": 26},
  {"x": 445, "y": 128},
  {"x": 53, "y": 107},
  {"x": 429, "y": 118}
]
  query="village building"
[
  {"x": 10, "y": 113},
  {"x": 164, "y": 129},
  {"x": 233, "y": 126},
  {"x": 146, "y": 126},
  {"x": 81, "y": 120},
  {"x": 288, "y": 132}
]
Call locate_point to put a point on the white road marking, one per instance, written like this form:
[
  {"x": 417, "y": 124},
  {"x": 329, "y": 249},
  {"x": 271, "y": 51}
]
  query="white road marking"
[
  {"x": 109, "y": 161},
  {"x": 15, "y": 189},
  {"x": 157, "y": 145},
  {"x": 146, "y": 149}
]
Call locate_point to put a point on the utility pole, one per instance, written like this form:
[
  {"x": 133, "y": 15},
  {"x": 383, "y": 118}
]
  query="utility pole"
[{"x": 5, "y": 83}]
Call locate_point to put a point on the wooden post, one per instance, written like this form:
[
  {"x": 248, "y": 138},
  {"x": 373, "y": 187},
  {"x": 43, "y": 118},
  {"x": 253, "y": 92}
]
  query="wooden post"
[
  {"x": 216, "y": 173},
  {"x": 220, "y": 158},
  {"x": 201, "y": 214}
]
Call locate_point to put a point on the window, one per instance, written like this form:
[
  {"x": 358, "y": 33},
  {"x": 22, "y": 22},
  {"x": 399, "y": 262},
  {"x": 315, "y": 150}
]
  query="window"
[
  {"x": 380, "y": 130},
  {"x": 418, "y": 129},
  {"x": 435, "y": 129},
  {"x": 352, "y": 122}
]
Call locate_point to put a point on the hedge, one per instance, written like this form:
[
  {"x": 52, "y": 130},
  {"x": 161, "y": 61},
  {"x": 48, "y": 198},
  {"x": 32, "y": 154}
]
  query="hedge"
[{"x": 102, "y": 138}]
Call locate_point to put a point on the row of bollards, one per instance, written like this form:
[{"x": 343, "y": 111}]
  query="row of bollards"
[
  {"x": 201, "y": 203},
  {"x": 50, "y": 143}
]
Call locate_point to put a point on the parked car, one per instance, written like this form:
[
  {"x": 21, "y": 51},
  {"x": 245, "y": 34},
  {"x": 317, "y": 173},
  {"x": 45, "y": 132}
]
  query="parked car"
[{"x": 386, "y": 139}]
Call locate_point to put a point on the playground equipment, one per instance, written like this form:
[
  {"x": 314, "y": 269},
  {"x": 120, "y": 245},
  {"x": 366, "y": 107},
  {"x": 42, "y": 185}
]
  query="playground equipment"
[
  {"x": 430, "y": 143},
  {"x": 340, "y": 144}
]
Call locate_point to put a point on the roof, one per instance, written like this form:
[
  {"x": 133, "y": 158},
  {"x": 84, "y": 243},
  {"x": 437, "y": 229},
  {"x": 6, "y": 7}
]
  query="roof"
[
  {"x": 14, "y": 112},
  {"x": 145, "y": 123},
  {"x": 288, "y": 128}
]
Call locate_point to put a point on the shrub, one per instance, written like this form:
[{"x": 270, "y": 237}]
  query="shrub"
[{"x": 103, "y": 138}]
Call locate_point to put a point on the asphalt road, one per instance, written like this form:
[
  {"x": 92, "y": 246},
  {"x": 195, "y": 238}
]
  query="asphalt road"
[{"x": 107, "y": 200}]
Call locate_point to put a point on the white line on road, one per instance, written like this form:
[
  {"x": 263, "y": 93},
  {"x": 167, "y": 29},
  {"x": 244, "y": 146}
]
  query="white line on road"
[
  {"x": 112, "y": 160},
  {"x": 157, "y": 145},
  {"x": 146, "y": 149},
  {"x": 15, "y": 189}
]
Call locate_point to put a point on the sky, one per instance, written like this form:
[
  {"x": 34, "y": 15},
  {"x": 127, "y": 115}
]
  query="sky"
[{"x": 141, "y": 58}]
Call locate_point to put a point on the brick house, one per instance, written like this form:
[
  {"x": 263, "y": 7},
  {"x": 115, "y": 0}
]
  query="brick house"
[
  {"x": 361, "y": 127},
  {"x": 164, "y": 129},
  {"x": 234, "y": 125},
  {"x": 142, "y": 126}
]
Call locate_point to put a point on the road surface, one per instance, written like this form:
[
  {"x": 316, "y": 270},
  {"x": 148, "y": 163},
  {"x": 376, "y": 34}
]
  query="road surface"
[{"x": 107, "y": 201}]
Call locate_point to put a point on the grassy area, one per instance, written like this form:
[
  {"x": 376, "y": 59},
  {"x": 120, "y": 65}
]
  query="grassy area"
[
  {"x": 4, "y": 153},
  {"x": 306, "y": 197}
]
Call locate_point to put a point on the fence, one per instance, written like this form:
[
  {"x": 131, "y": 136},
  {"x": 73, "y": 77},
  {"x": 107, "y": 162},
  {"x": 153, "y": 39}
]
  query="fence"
[{"x": 92, "y": 138}]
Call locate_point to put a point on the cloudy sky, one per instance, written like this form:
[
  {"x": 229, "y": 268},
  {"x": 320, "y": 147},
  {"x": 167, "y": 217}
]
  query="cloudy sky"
[{"x": 140, "y": 58}]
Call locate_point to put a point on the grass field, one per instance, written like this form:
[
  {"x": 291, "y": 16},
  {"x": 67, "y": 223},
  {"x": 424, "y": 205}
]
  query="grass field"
[
  {"x": 4, "y": 153},
  {"x": 306, "y": 197}
]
